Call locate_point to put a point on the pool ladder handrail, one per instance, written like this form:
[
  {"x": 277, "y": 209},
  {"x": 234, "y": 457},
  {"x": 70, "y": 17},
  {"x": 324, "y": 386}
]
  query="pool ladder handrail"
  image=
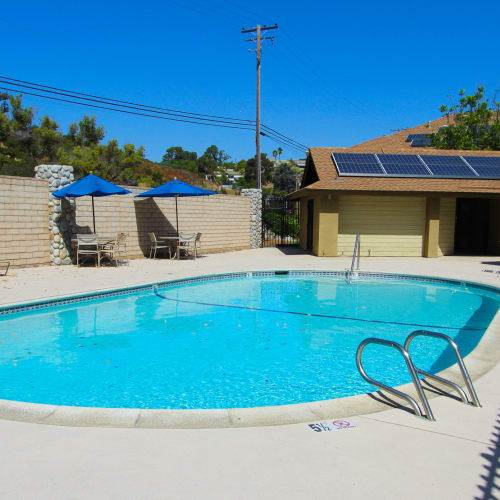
[
  {"x": 411, "y": 368},
  {"x": 355, "y": 252},
  {"x": 463, "y": 370}
]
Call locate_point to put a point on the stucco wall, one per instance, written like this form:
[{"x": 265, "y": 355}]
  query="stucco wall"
[
  {"x": 447, "y": 226},
  {"x": 24, "y": 212},
  {"x": 223, "y": 220},
  {"x": 388, "y": 225}
]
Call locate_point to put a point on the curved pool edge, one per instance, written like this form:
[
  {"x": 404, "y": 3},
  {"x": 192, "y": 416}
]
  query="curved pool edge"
[{"x": 479, "y": 362}]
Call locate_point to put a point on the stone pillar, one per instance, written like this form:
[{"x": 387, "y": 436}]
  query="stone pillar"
[
  {"x": 255, "y": 216},
  {"x": 61, "y": 212}
]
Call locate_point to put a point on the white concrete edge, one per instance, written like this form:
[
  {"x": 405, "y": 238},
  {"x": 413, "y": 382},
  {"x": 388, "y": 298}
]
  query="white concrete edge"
[{"x": 481, "y": 360}]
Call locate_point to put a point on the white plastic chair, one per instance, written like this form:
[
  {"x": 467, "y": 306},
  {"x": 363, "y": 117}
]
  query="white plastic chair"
[
  {"x": 87, "y": 245},
  {"x": 187, "y": 243},
  {"x": 117, "y": 250},
  {"x": 4, "y": 264},
  {"x": 155, "y": 246}
]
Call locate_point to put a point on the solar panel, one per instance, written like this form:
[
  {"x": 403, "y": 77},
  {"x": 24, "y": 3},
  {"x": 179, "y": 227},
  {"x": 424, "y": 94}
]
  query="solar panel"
[
  {"x": 415, "y": 137},
  {"x": 403, "y": 165},
  {"x": 485, "y": 166},
  {"x": 447, "y": 166},
  {"x": 389, "y": 165},
  {"x": 357, "y": 164},
  {"x": 421, "y": 142}
]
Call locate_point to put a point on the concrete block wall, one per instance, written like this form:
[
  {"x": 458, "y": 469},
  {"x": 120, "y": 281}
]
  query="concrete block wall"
[
  {"x": 24, "y": 232},
  {"x": 223, "y": 220}
]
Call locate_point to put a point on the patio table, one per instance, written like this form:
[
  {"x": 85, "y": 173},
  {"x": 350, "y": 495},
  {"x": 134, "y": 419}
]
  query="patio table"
[
  {"x": 102, "y": 240},
  {"x": 172, "y": 241}
]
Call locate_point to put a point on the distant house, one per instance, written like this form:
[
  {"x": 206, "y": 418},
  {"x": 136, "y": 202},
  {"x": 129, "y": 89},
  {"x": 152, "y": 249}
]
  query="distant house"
[
  {"x": 403, "y": 200},
  {"x": 233, "y": 176},
  {"x": 301, "y": 163}
]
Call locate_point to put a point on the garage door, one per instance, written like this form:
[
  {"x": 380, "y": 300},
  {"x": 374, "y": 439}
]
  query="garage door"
[{"x": 388, "y": 225}]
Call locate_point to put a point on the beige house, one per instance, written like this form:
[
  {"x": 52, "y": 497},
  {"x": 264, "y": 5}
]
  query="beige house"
[{"x": 397, "y": 216}]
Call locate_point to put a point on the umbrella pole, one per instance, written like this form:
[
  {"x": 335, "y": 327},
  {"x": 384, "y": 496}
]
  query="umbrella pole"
[
  {"x": 93, "y": 212},
  {"x": 177, "y": 215}
]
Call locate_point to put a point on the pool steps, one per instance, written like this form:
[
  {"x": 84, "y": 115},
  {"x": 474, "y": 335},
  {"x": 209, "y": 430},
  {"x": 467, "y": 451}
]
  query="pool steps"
[{"x": 414, "y": 372}]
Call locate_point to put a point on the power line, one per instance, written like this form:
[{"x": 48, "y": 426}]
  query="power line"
[
  {"x": 125, "y": 111},
  {"x": 41, "y": 88},
  {"x": 282, "y": 142},
  {"x": 109, "y": 108},
  {"x": 283, "y": 136},
  {"x": 141, "y": 107},
  {"x": 146, "y": 110}
]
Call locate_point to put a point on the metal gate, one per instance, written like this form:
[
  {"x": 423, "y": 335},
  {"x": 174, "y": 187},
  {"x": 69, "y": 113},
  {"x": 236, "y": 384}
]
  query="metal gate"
[{"x": 280, "y": 221}]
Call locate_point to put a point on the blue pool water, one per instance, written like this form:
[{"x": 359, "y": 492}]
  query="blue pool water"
[{"x": 239, "y": 342}]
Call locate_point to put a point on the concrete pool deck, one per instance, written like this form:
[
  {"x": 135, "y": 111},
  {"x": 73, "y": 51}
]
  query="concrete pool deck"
[{"x": 390, "y": 454}]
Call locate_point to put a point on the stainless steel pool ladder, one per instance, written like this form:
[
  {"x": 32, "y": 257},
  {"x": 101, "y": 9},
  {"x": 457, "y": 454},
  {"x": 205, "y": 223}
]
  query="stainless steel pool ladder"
[
  {"x": 355, "y": 252},
  {"x": 414, "y": 372},
  {"x": 474, "y": 400}
]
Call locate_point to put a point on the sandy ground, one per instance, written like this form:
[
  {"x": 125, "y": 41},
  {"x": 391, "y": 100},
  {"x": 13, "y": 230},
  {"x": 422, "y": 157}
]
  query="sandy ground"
[{"x": 391, "y": 454}]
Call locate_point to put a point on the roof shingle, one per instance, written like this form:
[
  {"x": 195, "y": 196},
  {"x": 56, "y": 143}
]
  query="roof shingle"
[{"x": 395, "y": 144}]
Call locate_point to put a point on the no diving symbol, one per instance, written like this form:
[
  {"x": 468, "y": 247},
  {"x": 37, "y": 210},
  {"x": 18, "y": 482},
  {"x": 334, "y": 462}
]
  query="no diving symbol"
[{"x": 341, "y": 424}]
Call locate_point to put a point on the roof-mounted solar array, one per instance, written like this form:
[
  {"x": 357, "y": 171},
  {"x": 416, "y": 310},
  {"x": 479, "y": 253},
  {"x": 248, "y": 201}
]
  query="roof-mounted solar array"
[
  {"x": 403, "y": 165},
  {"x": 412, "y": 137},
  {"x": 357, "y": 164},
  {"x": 419, "y": 140},
  {"x": 485, "y": 166},
  {"x": 447, "y": 166},
  {"x": 440, "y": 166}
]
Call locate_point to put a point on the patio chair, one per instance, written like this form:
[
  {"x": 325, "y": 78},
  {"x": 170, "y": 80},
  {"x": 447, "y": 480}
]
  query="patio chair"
[
  {"x": 198, "y": 243},
  {"x": 155, "y": 246},
  {"x": 117, "y": 249},
  {"x": 4, "y": 265},
  {"x": 87, "y": 245},
  {"x": 187, "y": 243}
]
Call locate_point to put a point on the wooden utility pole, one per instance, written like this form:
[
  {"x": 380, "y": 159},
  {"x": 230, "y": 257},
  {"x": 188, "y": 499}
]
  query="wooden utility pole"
[{"x": 258, "y": 50}]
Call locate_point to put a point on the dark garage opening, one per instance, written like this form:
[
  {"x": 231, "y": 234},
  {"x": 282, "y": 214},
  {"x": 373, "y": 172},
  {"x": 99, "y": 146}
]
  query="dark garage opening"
[{"x": 477, "y": 229}]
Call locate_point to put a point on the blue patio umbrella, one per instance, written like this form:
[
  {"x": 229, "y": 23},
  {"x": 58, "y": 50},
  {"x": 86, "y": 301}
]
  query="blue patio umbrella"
[
  {"x": 91, "y": 185},
  {"x": 174, "y": 189}
]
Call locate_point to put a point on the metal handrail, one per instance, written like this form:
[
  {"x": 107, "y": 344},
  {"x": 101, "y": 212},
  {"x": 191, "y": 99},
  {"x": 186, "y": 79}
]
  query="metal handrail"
[
  {"x": 396, "y": 392},
  {"x": 465, "y": 374},
  {"x": 357, "y": 248},
  {"x": 356, "y": 251}
]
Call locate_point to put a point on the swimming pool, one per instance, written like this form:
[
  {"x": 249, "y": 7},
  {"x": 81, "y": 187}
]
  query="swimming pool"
[{"x": 233, "y": 341}]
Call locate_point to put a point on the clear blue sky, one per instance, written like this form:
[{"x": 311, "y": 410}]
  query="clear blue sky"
[{"x": 338, "y": 74}]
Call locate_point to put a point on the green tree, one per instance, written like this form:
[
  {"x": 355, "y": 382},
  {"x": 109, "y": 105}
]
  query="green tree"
[
  {"x": 275, "y": 154},
  {"x": 251, "y": 170},
  {"x": 284, "y": 179},
  {"x": 5, "y": 125},
  {"x": 176, "y": 157},
  {"x": 87, "y": 133},
  {"x": 22, "y": 118},
  {"x": 18, "y": 151},
  {"x": 473, "y": 123},
  {"x": 211, "y": 160},
  {"x": 176, "y": 154},
  {"x": 108, "y": 161},
  {"x": 240, "y": 166},
  {"x": 49, "y": 139},
  {"x": 157, "y": 179},
  {"x": 280, "y": 152}
]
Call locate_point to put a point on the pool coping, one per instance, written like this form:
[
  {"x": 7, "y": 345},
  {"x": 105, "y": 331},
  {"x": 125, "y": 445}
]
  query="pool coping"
[{"x": 481, "y": 360}]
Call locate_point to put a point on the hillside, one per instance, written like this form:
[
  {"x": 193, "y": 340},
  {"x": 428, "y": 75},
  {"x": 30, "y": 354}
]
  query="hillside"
[{"x": 169, "y": 174}]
